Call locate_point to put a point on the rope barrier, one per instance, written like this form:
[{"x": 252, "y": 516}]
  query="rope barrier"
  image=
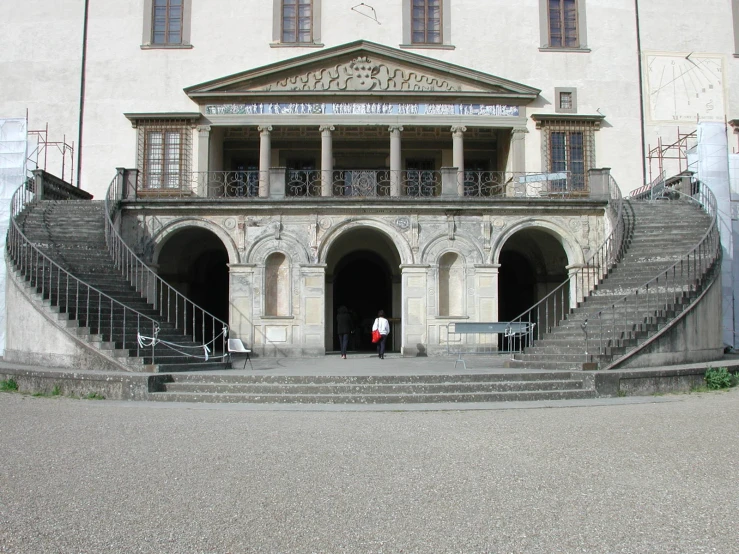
[{"x": 148, "y": 342}]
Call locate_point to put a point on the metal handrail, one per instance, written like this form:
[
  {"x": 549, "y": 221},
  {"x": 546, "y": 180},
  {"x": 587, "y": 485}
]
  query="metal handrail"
[
  {"x": 665, "y": 291},
  {"x": 67, "y": 292},
  {"x": 551, "y": 309},
  {"x": 173, "y": 306},
  {"x": 650, "y": 190}
]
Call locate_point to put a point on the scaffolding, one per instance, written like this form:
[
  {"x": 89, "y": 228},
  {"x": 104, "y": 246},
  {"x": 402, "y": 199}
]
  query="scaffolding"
[
  {"x": 674, "y": 155},
  {"x": 39, "y": 147}
]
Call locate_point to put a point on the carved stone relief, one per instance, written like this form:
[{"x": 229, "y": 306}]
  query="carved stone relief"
[{"x": 363, "y": 74}]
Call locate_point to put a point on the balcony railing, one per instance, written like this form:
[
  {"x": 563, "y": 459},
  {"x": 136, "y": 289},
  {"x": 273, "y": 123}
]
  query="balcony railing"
[{"x": 279, "y": 183}]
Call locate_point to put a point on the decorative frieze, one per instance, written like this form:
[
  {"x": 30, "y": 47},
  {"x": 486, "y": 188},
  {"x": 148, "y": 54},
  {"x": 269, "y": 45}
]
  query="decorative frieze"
[{"x": 364, "y": 109}]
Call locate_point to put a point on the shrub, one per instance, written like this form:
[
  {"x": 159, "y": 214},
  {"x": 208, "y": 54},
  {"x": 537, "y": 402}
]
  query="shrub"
[
  {"x": 9, "y": 385},
  {"x": 718, "y": 378}
]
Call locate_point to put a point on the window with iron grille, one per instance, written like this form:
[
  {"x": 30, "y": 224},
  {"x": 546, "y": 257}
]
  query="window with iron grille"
[
  {"x": 563, "y": 28},
  {"x": 426, "y": 22},
  {"x": 570, "y": 147},
  {"x": 165, "y": 151},
  {"x": 297, "y": 20}
]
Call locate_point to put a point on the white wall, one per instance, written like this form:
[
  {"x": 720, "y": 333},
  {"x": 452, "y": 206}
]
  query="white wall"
[{"x": 42, "y": 44}]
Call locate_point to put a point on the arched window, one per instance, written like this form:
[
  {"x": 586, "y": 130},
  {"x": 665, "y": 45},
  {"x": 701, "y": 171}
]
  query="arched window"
[
  {"x": 277, "y": 285},
  {"x": 451, "y": 285}
]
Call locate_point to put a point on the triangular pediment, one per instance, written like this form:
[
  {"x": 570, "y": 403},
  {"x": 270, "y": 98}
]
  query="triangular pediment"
[{"x": 358, "y": 69}]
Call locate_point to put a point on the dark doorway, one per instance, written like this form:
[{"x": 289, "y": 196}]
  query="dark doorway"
[
  {"x": 209, "y": 280},
  {"x": 362, "y": 283},
  {"x": 195, "y": 262},
  {"x": 517, "y": 285}
]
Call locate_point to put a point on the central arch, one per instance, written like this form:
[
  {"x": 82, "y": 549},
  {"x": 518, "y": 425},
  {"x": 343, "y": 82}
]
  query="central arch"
[{"x": 363, "y": 274}]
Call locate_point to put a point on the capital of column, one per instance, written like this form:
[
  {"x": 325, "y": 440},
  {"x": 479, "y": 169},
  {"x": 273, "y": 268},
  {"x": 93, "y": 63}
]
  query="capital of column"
[
  {"x": 394, "y": 129},
  {"x": 519, "y": 130},
  {"x": 325, "y": 129},
  {"x": 265, "y": 129},
  {"x": 458, "y": 130},
  {"x": 203, "y": 129}
]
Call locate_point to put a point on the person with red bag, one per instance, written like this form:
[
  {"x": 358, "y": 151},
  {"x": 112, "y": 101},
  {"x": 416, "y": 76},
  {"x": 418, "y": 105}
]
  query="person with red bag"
[{"x": 380, "y": 331}]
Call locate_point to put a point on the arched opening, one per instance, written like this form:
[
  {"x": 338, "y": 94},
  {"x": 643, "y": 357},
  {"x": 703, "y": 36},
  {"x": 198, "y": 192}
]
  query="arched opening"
[
  {"x": 532, "y": 264},
  {"x": 277, "y": 285},
  {"x": 195, "y": 262},
  {"x": 451, "y": 285},
  {"x": 363, "y": 274}
]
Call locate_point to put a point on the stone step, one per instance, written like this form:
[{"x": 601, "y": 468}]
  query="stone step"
[
  {"x": 368, "y": 398},
  {"x": 393, "y": 379},
  {"x": 353, "y": 388}
]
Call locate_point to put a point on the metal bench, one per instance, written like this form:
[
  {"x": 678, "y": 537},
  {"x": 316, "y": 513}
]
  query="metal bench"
[{"x": 482, "y": 338}]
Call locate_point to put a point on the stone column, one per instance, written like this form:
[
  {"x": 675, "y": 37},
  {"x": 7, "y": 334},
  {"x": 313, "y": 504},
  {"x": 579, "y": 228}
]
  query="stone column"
[
  {"x": 458, "y": 155},
  {"x": 203, "y": 160},
  {"x": 240, "y": 303},
  {"x": 486, "y": 288},
  {"x": 414, "y": 314},
  {"x": 518, "y": 149},
  {"x": 313, "y": 309},
  {"x": 517, "y": 162},
  {"x": 486, "y": 285},
  {"x": 265, "y": 159},
  {"x": 327, "y": 159},
  {"x": 395, "y": 160}
]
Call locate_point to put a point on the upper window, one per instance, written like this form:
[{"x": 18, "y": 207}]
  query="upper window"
[
  {"x": 426, "y": 24},
  {"x": 296, "y": 23},
  {"x": 562, "y": 24},
  {"x": 167, "y": 23}
]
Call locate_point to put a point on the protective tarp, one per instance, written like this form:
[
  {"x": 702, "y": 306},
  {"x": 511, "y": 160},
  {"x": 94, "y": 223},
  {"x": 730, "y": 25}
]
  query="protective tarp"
[
  {"x": 713, "y": 170},
  {"x": 734, "y": 180},
  {"x": 13, "y": 144}
]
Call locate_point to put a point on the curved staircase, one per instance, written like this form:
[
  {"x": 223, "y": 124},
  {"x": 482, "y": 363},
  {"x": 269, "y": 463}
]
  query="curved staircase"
[
  {"x": 629, "y": 305},
  {"x": 59, "y": 249}
]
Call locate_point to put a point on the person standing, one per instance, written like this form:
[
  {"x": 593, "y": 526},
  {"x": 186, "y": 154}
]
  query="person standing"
[
  {"x": 344, "y": 327},
  {"x": 383, "y": 326}
]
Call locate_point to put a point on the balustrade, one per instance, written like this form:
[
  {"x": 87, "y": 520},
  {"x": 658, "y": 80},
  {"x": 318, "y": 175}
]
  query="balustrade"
[{"x": 374, "y": 183}]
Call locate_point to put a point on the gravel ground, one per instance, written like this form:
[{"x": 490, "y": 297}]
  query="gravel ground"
[{"x": 99, "y": 476}]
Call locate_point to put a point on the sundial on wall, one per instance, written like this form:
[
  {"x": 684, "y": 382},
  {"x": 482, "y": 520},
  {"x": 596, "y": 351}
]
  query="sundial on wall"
[{"x": 685, "y": 87}]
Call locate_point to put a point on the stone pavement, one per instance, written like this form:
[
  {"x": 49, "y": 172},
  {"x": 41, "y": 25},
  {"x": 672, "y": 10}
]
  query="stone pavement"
[{"x": 79, "y": 476}]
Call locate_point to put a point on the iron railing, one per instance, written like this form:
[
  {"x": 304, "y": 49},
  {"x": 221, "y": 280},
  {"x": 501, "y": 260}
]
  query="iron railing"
[
  {"x": 373, "y": 183},
  {"x": 173, "y": 307},
  {"x": 227, "y": 184},
  {"x": 651, "y": 190},
  {"x": 551, "y": 309},
  {"x": 652, "y": 303},
  {"x": 93, "y": 309},
  {"x": 485, "y": 184}
]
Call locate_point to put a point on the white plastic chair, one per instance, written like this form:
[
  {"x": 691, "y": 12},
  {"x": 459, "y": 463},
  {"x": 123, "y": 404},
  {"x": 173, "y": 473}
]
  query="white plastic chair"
[{"x": 236, "y": 346}]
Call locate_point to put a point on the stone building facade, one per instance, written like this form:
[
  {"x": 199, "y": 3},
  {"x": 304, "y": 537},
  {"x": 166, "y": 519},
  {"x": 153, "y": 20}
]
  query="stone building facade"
[{"x": 442, "y": 160}]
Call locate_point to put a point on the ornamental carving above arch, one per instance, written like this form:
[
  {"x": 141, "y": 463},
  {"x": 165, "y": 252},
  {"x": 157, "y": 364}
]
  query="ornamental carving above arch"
[{"x": 364, "y": 74}]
